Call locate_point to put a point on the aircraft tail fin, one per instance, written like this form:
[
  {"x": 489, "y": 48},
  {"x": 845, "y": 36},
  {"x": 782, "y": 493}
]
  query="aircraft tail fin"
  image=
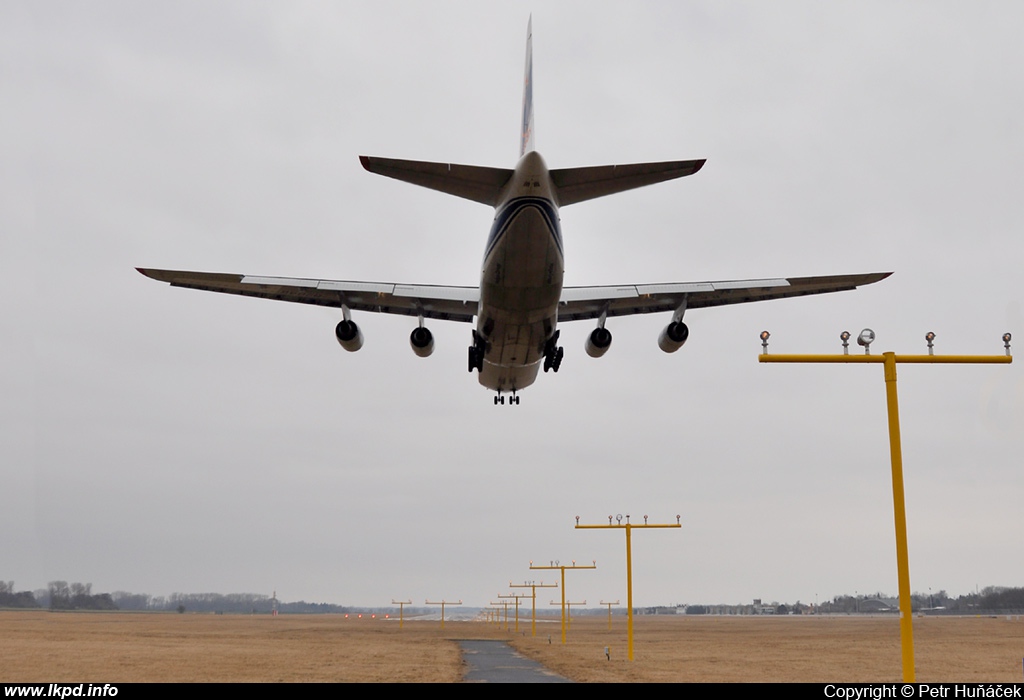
[
  {"x": 580, "y": 184},
  {"x": 474, "y": 182},
  {"x": 526, "y": 142}
]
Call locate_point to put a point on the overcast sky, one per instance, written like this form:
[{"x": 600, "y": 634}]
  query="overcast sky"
[{"x": 160, "y": 440}]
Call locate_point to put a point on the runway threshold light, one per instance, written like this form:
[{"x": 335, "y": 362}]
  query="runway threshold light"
[{"x": 866, "y": 337}]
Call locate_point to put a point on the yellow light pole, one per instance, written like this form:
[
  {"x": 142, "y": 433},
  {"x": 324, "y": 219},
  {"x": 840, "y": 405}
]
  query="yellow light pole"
[
  {"x": 562, "y": 568},
  {"x": 401, "y": 610},
  {"x": 568, "y": 610},
  {"x": 629, "y": 564},
  {"x": 889, "y": 360},
  {"x": 504, "y": 604},
  {"x": 517, "y": 597},
  {"x": 609, "y": 612},
  {"x": 533, "y": 596},
  {"x": 443, "y": 603}
]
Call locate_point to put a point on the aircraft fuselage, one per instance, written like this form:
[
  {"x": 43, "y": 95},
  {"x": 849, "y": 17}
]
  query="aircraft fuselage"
[{"x": 521, "y": 279}]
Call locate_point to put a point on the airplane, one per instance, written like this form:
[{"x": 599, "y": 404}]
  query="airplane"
[{"x": 520, "y": 299}]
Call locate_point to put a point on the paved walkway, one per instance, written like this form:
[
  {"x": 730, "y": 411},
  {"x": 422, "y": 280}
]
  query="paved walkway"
[{"x": 497, "y": 662}]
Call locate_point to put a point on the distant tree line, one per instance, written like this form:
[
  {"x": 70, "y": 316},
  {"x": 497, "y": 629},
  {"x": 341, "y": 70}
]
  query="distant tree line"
[
  {"x": 77, "y": 596},
  {"x": 60, "y": 595},
  {"x": 10, "y": 599},
  {"x": 988, "y": 599}
]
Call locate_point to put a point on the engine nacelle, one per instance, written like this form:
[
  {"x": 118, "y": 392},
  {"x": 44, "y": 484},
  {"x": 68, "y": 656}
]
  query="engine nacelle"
[
  {"x": 349, "y": 336},
  {"x": 422, "y": 341},
  {"x": 598, "y": 342},
  {"x": 673, "y": 337}
]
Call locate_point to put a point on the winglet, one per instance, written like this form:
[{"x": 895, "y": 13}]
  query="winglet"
[{"x": 526, "y": 144}]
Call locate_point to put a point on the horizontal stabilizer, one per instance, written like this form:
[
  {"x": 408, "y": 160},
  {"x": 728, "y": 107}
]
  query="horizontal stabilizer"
[
  {"x": 473, "y": 182},
  {"x": 580, "y": 184}
]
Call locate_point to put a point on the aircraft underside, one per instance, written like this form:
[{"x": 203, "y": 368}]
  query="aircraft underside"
[{"x": 519, "y": 291}]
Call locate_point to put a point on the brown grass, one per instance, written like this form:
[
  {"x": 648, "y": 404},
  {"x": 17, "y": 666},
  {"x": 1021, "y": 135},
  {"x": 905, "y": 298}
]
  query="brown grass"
[
  {"x": 125, "y": 647},
  {"x": 779, "y": 649}
]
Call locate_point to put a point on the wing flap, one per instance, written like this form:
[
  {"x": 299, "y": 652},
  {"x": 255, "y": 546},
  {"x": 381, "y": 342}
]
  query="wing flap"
[
  {"x": 430, "y": 301},
  {"x": 578, "y": 303}
]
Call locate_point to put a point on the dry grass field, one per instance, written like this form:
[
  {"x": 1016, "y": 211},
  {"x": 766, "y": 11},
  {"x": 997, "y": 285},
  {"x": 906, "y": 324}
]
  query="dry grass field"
[
  {"x": 110, "y": 647},
  {"x": 782, "y": 649}
]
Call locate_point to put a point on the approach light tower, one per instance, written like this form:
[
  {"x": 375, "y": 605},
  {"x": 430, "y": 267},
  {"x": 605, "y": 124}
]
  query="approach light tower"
[
  {"x": 889, "y": 360},
  {"x": 443, "y": 603},
  {"x": 533, "y": 586},
  {"x": 629, "y": 563},
  {"x": 562, "y": 567},
  {"x": 401, "y": 610},
  {"x": 609, "y": 603},
  {"x": 517, "y": 597}
]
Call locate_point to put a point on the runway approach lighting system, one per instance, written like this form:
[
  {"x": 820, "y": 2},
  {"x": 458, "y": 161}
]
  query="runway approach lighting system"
[
  {"x": 443, "y": 603},
  {"x": 401, "y": 610},
  {"x": 503, "y": 605},
  {"x": 533, "y": 586},
  {"x": 609, "y": 604},
  {"x": 568, "y": 609},
  {"x": 629, "y": 550},
  {"x": 562, "y": 567},
  {"x": 517, "y": 597},
  {"x": 889, "y": 360}
]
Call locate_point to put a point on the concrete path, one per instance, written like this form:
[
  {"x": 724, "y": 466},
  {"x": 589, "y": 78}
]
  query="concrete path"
[{"x": 497, "y": 662}]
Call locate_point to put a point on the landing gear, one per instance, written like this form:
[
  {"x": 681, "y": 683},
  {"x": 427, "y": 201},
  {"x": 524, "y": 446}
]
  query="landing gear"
[
  {"x": 476, "y": 354},
  {"x": 513, "y": 400},
  {"x": 553, "y": 353}
]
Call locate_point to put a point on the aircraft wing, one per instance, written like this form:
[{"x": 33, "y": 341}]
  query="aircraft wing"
[
  {"x": 579, "y": 303},
  {"x": 430, "y": 301}
]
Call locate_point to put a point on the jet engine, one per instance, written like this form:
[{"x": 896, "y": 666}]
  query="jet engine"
[
  {"x": 349, "y": 336},
  {"x": 598, "y": 342},
  {"x": 422, "y": 341},
  {"x": 673, "y": 337}
]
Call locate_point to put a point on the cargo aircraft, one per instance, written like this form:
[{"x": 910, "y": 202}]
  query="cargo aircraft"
[{"x": 520, "y": 299}]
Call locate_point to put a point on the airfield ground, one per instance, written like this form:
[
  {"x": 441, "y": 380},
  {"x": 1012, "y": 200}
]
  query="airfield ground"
[{"x": 133, "y": 647}]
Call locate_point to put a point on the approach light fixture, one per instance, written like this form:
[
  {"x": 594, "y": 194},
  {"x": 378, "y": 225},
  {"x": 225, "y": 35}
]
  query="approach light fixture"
[
  {"x": 930, "y": 338},
  {"x": 765, "y": 335},
  {"x": 845, "y": 337},
  {"x": 866, "y": 337},
  {"x": 1006, "y": 343}
]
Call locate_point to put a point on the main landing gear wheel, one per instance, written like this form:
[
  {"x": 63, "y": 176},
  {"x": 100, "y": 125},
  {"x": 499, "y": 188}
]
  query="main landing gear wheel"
[
  {"x": 553, "y": 353},
  {"x": 476, "y": 353},
  {"x": 553, "y": 359},
  {"x": 476, "y": 359}
]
